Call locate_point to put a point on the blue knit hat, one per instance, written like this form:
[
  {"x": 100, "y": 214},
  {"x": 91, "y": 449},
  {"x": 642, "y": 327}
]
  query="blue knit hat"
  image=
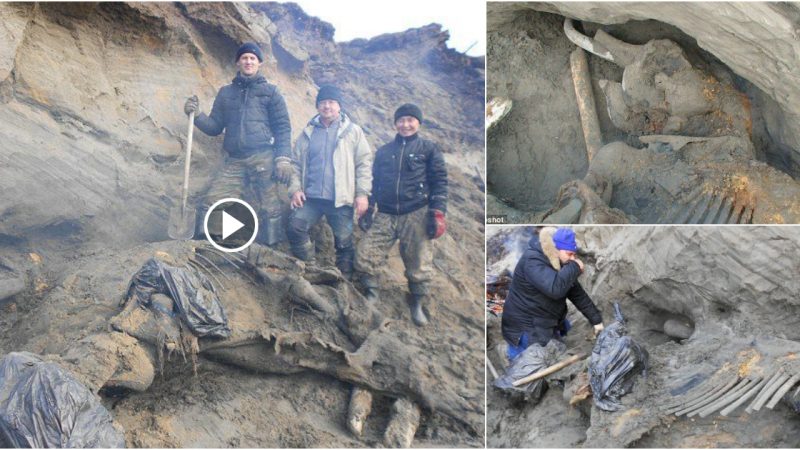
[
  {"x": 564, "y": 238},
  {"x": 250, "y": 47}
]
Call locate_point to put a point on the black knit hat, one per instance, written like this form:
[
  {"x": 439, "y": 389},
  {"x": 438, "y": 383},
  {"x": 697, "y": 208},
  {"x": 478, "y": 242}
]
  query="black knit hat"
[
  {"x": 408, "y": 109},
  {"x": 250, "y": 47},
  {"x": 329, "y": 92}
]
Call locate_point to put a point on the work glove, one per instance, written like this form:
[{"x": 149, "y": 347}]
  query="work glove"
[
  {"x": 597, "y": 329},
  {"x": 192, "y": 105},
  {"x": 283, "y": 170},
  {"x": 436, "y": 223},
  {"x": 365, "y": 221}
]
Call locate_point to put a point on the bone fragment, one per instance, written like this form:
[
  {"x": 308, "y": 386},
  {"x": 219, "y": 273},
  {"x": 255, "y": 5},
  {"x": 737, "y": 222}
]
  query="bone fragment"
[
  {"x": 695, "y": 405},
  {"x": 496, "y": 110},
  {"x": 775, "y": 377},
  {"x": 723, "y": 401},
  {"x": 677, "y": 329},
  {"x": 782, "y": 391},
  {"x": 402, "y": 425},
  {"x": 585, "y": 42},
  {"x": 358, "y": 410},
  {"x": 566, "y": 215},
  {"x": 743, "y": 398},
  {"x": 586, "y": 105},
  {"x": 768, "y": 391}
]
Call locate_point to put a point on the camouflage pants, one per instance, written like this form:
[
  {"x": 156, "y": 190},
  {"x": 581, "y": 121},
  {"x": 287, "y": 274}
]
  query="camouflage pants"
[
  {"x": 253, "y": 173},
  {"x": 416, "y": 248}
]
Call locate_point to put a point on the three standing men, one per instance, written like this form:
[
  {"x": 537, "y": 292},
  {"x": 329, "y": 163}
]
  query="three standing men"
[{"x": 330, "y": 172}]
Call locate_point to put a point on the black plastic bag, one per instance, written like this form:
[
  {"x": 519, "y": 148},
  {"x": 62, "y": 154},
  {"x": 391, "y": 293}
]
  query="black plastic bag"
[
  {"x": 531, "y": 360},
  {"x": 43, "y": 406},
  {"x": 192, "y": 294},
  {"x": 615, "y": 362}
]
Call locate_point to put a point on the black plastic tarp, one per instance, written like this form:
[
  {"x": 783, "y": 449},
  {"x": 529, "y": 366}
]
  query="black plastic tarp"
[
  {"x": 531, "y": 360},
  {"x": 193, "y": 296},
  {"x": 43, "y": 406},
  {"x": 615, "y": 362}
]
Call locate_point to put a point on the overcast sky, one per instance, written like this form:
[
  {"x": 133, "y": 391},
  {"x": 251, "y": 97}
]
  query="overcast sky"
[{"x": 352, "y": 19}]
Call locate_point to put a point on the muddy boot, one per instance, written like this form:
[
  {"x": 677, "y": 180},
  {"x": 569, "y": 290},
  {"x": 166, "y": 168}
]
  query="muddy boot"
[
  {"x": 419, "y": 293},
  {"x": 345, "y": 254},
  {"x": 370, "y": 288},
  {"x": 402, "y": 425},
  {"x": 359, "y": 409},
  {"x": 304, "y": 252}
]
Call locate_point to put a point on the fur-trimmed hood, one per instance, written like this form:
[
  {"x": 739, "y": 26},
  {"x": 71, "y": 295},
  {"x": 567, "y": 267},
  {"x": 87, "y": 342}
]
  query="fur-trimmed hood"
[{"x": 544, "y": 241}]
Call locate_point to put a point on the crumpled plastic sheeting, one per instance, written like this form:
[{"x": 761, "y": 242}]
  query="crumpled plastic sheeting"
[
  {"x": 533, "y": 359},
  {"x": 616, "y": 360},
  {"x": 192, "y": 294},
  {"x": 44, "y": 406}
]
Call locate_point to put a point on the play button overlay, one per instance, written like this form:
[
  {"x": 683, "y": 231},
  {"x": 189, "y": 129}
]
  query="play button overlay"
[{"x": 230, "y": 225}]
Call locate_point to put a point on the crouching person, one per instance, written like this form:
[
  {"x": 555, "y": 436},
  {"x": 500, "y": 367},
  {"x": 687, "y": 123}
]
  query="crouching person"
[
  {"x": 332, "y": 177},
  {"x": 410, "y": 192}
]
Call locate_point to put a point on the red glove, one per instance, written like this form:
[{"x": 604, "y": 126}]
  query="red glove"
[{"x": 436, "y": 223}]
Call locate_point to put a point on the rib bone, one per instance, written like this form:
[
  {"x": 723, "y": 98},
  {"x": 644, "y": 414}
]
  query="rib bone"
[
  {"x": 743, "y": 398},
  {"x": 782, "y": 391}
]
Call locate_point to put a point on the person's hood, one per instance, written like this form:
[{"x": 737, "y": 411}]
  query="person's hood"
[{"x": 543, "y": 242}]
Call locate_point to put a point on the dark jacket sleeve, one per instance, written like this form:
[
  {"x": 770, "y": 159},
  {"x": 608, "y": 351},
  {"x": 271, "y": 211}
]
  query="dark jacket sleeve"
[
  {"x": 584, "y": 303},
  {"x": 550, "y": 282},
  {"x": 437, "y": 179},
  {"x": 280, "y": 125},
  {"x": 372, "y": 200},
  {"x": 214, "y": 123}
]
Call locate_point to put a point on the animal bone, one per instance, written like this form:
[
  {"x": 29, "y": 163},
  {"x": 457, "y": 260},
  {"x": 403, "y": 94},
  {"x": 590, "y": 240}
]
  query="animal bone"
[{"x": 783, "y": 390}]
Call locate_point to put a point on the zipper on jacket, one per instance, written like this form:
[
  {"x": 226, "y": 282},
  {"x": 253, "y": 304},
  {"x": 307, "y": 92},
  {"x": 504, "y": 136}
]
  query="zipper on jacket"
[
  {"x": 399, "y": 170},
  {"x": 241, "y": 120}
]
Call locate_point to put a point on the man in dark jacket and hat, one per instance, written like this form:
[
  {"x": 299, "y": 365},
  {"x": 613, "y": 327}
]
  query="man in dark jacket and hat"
[
  {"x": 254, "y": 117},
  {"x": 409, "y": 188},
  {"x": 535, "y": 309}
]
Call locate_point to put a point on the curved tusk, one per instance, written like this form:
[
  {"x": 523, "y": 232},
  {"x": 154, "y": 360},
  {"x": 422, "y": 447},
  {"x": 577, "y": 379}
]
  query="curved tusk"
[{"x": 585, "y": 42}]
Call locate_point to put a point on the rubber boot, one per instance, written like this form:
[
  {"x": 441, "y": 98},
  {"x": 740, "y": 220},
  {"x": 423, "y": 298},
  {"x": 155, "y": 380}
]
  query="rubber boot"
[
  {"x": 418, "y": 294},
  {"x": 344, "y": 261},
  {"x": 305, "y": 252},
  {"x": 370, "y": 288}
]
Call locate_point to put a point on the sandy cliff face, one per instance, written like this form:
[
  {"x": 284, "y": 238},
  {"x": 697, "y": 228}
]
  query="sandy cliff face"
[{"x": 92, "y": 95}]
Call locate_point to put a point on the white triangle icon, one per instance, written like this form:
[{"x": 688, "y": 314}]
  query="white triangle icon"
[{"x": 229, "y": 225}]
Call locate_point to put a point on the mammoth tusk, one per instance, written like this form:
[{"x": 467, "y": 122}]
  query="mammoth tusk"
[
  {"x": 603, "y": 45},
  {"x": 585, "y": 42}
]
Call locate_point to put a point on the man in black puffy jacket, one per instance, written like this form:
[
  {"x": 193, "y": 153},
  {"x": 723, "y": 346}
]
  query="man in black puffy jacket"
[
  {"x": 254, "y": 117},
  {"x": 409, "y": 189},
  {"x": 535, "y": 310}
]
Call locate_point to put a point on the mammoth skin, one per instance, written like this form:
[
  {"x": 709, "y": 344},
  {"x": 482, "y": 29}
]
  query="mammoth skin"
[{"x": 285, "y": 318}]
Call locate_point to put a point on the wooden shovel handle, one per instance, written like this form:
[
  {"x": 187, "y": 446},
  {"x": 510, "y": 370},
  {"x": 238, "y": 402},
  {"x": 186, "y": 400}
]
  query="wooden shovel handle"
[
  {"x": 552, "y": 369},
  {"x": 185, "y": 194}
]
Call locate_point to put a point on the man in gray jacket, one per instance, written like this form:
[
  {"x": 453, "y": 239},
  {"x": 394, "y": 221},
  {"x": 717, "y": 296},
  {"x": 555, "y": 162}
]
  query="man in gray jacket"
[{"x": 333, "y": 176}]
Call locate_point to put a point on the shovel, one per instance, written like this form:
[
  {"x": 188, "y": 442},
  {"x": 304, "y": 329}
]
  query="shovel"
[{"x": 181, "y": 220}]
